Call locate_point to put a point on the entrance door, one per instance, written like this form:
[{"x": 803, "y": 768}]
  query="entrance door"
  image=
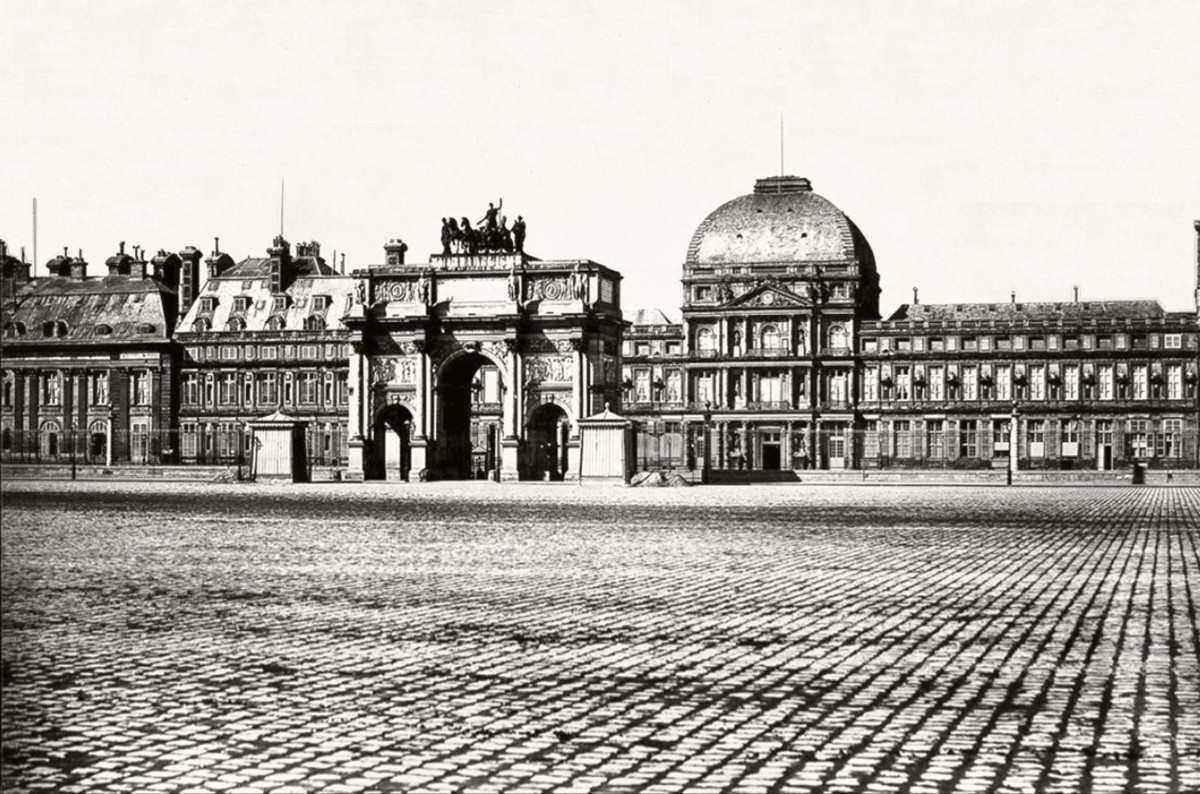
[
  {"x": 394, "y": 435},
  {"x": 547, "y": 447},
  {"x": 771, "y": 456}
]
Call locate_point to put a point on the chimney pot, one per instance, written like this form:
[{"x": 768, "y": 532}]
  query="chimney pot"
[{"x": 121, "y": 247}]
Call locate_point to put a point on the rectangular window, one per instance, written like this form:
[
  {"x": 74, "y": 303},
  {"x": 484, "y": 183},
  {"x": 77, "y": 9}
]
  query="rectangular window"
[
  {"x": 1003, "y": 382},
  {"x": 1174, "y": 381},
  {"x": 1071, "y": 382},
  {"x": 1138, "y": 438},
  {"x": 99, "y": 388},
  {"x": 1070, "y": 438},
  {"x": 1037, "y": 383},
  {"x": 870, "y": 391},
  {"x": 209, "y": 390},
  {"x": 343, "y": 384},
  {"x": 248, "y": 389},
  {"x": 1104, "y": 431},
  {"x": 1036, "y": 430},
  {"x": 1004, "y": 343},
  {"x": 289, "y": 389},
  {"x": 138, "y": 446},
  {"x": 970, "y": 343},
  {"x": 308, "y": 351},
  {"x": 641, "y": 385},
  {"x": 309, "y": 386},
  {"x": 139, "y": 387},
  {"x": 268, "y": 352},
  {"x": 268, "y": 389},
  {"x": 937, "y": 344},
  {"x": 968, "y": 438},
  {"x": 1104, "y": 342},
  {"x": 320, "y": 303},
  {"x": 1173, "y": 341},
  {"x": 229, "y": 353},
  {"x": 937, "y": 383},
  {"x": 1141, "y": 383},
  {"x": 1104, "y": 382},
  {"x": 903, "y": 383},
  {"x": 935, "y": 439},
  {"x": 970, "y": 383},
  {"x": 191, "y": 389},
  {"x": 902, "y": 438},
  {"x": 1001, "y": 437},
  {"x": 52, "y": 388},
  {"x": 1037, "y": 343},
  {"x": 1170, "y": 437},
  {"x": 227, "y": 388},
  {"x": 187, "y": 440}
]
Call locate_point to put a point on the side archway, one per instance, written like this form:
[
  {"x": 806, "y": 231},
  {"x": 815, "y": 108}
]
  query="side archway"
[
  {"x": 547, "y": 443},
  {"x": 393, "y": 437}
]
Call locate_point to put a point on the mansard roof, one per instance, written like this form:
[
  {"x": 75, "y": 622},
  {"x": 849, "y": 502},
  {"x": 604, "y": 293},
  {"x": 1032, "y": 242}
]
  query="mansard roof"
[
  {"x": 254, "y": 285},
  {"x": 1043, "y": 311},
  {"x": 91, "y": 310}
]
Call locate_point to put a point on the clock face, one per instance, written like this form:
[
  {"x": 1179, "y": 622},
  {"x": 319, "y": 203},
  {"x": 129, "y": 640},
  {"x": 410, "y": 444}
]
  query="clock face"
[{"x": 768, "y": 298}]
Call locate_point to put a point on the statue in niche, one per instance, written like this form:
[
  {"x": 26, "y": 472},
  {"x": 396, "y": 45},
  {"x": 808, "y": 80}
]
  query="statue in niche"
[
  {"x": 360, "y": 292},
  {"x": 514, "y": 286},
  {"x": 423, "y": 288},
  {"x": 578, "y": 283}
]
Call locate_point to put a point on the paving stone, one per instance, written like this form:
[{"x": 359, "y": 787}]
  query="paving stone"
[{"x": 454, "y": 637}]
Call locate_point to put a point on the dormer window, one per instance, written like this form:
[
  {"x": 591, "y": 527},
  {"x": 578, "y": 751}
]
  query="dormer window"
[
  {"x": 103, "y": 330},
  {"x": 201, "y": 326},
  {"x": 241, "y": 304},
  {"x": 14, "y": 329},
  {"x": 54, "y": 329},
  {"x": 279, "y": 303},
  {"x": 275, "y": 323},
  {"x": 314, "y": 323},
  {"x": 145, "y": 328},
  {"x": 208, "y": 305},
  {"x": 235, "y": 324},
  {"x": 320, "y": 303}
]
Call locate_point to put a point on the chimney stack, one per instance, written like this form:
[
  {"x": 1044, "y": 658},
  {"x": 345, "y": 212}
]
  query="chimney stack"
[
  {"x": 189, "y": 280},
  {"x": 916, "y": 302}
]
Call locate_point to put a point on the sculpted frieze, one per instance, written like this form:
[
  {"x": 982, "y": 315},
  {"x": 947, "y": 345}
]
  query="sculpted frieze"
[
  {"x": 394, "y": 369},
  {"x": 552, "y": 369},
  {"x": 548, "y": 288}
]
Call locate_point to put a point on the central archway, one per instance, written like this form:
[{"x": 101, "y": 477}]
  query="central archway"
[{"x": 470, "y": 394}]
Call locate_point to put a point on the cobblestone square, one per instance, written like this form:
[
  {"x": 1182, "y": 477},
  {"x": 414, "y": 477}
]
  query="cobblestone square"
[{"x": 550, "y": 638}]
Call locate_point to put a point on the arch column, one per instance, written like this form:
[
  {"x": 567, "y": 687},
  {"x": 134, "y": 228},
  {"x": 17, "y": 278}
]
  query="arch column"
[
  {"x": 357, "y": 407},
  {"x": 510, "y": 445}
]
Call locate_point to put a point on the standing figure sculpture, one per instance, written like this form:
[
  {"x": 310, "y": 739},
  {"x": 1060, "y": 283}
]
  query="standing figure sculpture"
[
  {"x": 447, "y": 235},
  {"x": 514, "y": 286},
  {"x": 506, "y": 240},
  {"x": 578, "y": 284},
  {"x": 488, "y": 221},
  {"x": 518, "y": 233},
  {"x": 423, "y": 288}
]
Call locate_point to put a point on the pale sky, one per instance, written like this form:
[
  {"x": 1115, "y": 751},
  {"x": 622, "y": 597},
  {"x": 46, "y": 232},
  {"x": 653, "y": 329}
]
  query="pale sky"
[{"x": 982, "y": 147}]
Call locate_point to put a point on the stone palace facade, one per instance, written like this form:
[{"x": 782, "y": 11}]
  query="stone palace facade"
[{"x": 481, "y": 361}]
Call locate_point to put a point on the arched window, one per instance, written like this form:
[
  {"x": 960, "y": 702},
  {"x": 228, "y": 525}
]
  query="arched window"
[
  {"x": 705, "y": 340},
  {"x": 146, "y": 328},
  {"x": 103, "y": 329},
  {"x": 202, "y": 325},
  {"x": 9, "y": 383},
  {"x": 50, "y": 439},
  {"x": 314, "y": 322},
  {"x": 236, "y": 324},
  {"x": 276, "y": 323},
  {"x": 54, "y": 329},
  {"x": 768, "y": 338},
  {"x": 839, "y": 339},
  {"x": 14, "y": 329}
]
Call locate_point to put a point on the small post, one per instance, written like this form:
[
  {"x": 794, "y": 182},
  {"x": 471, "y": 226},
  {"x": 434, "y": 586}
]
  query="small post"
[
  {"x": 1012, "y": 443},
  {"x": 74, "y": 427}
]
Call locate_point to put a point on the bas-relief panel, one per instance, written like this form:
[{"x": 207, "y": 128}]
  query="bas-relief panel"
[
  {"x": 551, "y": 369},
  {"x": 395, "y": 369},
  {"x": 546, "y": 288}
]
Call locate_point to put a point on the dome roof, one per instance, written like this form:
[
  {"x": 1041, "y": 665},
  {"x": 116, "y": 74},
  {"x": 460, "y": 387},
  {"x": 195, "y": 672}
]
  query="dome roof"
[{"x": 781, "y": 221}]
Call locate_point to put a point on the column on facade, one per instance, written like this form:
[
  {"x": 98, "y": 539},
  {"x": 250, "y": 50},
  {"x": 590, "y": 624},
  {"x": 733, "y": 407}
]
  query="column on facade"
[
  {"x": 579, "y": 387},
  {"x": 785, "y": 446},
  {"x": 721, "y": 447},
  {"x": 354, "y": 423},
  {"x": 814, "y": 443},
  {"x": 516, "y": 390}
]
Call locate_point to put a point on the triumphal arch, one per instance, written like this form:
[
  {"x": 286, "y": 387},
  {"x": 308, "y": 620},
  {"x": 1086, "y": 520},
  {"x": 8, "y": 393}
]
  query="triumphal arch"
[{"x": 480, "y": 362}]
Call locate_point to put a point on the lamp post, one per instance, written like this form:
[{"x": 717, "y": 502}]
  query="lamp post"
[
  {"x": 706, "y": 466},
  {"x": 74, "y": 427}
]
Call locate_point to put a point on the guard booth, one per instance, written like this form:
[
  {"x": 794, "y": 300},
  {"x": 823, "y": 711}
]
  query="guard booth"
[
  {"x": 606, "y": 448},
  {"x": 278, "y": 448}
]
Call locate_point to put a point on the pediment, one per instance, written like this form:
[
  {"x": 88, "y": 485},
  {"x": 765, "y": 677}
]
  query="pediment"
[{"x": 767, "y": 296}]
